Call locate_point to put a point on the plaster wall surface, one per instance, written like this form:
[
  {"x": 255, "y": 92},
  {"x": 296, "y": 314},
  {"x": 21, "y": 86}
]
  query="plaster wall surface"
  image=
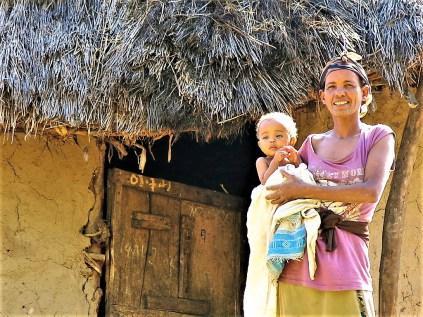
[
  {"x": 391, "y": 110},
  {"x": 44, "y": 202}
]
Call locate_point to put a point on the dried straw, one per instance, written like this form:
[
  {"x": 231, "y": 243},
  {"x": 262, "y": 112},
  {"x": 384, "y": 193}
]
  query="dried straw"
[{"x": 148, "y": 68}]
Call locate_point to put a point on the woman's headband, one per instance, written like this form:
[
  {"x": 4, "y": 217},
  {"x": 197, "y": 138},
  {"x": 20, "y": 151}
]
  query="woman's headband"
[{"x": 343, "y": 62}]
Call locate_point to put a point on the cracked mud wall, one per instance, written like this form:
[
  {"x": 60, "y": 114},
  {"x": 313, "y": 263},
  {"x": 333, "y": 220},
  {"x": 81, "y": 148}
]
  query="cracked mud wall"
[
  {"x": 391, "y": 110},
  {"x": 44, "y": 202}
]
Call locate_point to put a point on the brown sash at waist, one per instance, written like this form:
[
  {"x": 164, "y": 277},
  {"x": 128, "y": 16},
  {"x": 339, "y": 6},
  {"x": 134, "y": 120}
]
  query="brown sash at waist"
[{"x": 330, "y": 220}]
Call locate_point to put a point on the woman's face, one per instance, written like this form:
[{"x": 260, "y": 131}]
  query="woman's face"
[{"x": 343, "y": 94}]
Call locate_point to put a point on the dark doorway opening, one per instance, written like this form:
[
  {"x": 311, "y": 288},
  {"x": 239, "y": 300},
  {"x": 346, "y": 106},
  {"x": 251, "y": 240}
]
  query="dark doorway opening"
[{"x": 219, "y": 165}]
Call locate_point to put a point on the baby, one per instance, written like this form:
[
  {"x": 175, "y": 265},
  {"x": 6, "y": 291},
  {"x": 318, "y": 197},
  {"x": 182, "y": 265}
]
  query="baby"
[
  {"x": 276, "y": 133},
  {"x": 278, "y": 233}
]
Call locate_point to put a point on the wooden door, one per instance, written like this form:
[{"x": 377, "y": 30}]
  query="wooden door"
[{"x": 174, "y": 249}]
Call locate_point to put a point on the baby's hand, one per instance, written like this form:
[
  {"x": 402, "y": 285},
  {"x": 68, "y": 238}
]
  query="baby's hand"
[
  {"x": 287, "y": 155},
  {"x": 291, "y": 155},
  {"x": 281, "y": 156}
]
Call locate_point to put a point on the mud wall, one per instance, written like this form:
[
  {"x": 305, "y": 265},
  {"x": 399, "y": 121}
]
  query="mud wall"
[
  {"x": 391, "y": 110},
  {"x": 45, "y": 200}
]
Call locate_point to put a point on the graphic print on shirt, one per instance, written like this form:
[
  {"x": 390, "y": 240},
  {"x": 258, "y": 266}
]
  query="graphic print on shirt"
[{"x": 343, "y": 177}]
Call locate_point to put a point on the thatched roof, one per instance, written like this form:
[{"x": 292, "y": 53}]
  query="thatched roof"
[{"x": 138, "y": 68}]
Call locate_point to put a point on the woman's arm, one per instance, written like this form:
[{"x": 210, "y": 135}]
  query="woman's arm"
[{"x": 370, "y": 190}]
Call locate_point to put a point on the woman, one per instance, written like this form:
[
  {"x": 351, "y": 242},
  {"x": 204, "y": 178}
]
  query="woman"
[{"x": 357, "y": 158}]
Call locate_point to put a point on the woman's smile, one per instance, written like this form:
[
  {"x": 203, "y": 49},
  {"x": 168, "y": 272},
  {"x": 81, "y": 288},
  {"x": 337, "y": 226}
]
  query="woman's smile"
[{"x": 340, "y": 103}]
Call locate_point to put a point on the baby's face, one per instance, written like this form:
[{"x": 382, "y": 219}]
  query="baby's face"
[{"x": 272, "y": 136}]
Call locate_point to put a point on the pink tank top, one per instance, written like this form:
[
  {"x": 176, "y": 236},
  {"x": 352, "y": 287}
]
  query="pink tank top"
[{"x": 348, "y": 266}]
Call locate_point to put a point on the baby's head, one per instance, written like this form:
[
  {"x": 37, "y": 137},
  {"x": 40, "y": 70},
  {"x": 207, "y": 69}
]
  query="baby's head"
[{"x": 275, "y": 130}]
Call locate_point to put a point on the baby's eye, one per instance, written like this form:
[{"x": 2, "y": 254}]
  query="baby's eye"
[
  {"x": 264, "y": 137},
  {"x": 279, "y": 136}
]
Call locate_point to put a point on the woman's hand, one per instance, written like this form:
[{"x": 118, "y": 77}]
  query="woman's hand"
[{"x": 289, "y": 190}]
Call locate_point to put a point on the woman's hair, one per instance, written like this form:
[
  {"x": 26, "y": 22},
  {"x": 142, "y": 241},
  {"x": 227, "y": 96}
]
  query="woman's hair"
[
  {"x": 348, "y": 61},
  {"x": 285, "y": 120}
]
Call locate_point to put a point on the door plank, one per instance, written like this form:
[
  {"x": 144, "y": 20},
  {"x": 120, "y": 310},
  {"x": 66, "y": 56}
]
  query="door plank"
[
  {"x": 128, "y": 248},
  {"x": 178, "y": 305},
  {"x": 181, "y": 191},
  {"x": 126, "y": 311},
  {"x": 214, "y": 257},
  {"x": 161, "y": 272},
  {"x": 141, "y": 220},
  {"x": 187, "y": 224}
]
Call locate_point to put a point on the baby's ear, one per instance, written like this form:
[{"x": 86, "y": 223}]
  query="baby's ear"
[{"x": 293, "y": 141}]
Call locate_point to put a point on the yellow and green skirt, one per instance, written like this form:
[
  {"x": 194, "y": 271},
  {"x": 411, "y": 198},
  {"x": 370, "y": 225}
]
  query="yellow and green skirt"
[{"x": 295, "y": 300}]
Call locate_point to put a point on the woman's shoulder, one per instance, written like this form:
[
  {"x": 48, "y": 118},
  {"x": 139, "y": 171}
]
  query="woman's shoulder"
[
  {"x": 372, "y": 134},
  {"x": 316, "y": 138},
  {"x": 309, "y": 145},
  {"x": 376, "y": 132},
  {"x": 376, "y": 128}
]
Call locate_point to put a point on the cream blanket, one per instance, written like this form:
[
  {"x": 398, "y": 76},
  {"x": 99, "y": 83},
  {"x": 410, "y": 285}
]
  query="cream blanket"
[{"x": 262, "y": 220}]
